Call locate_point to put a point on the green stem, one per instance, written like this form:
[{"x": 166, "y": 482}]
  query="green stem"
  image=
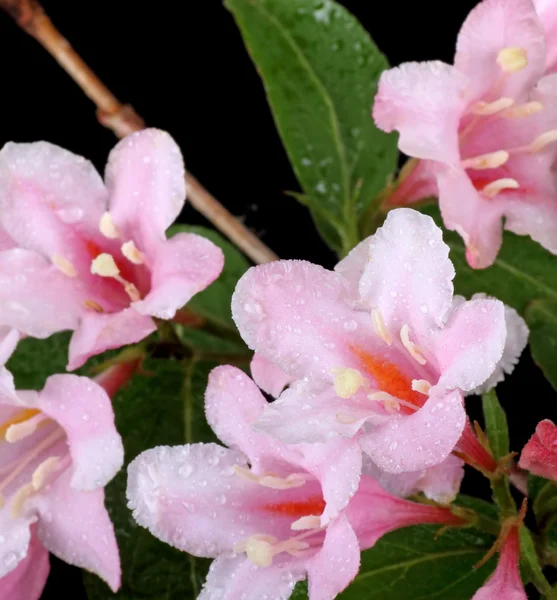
[{"x": 502, "y": 495}]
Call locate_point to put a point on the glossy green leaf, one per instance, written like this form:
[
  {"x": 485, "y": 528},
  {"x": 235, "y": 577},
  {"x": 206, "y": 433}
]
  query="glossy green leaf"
[
  {"x": 320, "y": 70},
  {"x": 496, "y": 425},
  {"x": 541, "y": 317}
]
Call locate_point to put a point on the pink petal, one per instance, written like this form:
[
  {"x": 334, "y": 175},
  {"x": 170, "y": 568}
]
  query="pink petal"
[
  {"x": 471, "y": 345},
  {"x": 44, "y": 189},
  {"x": 353, "y": 265},
  {"x": 547, "y": 11},
  {"x": 490, "y": 27},
  {"x": 16, "y": 535},
  {"x": 236, "y": 578},
  {"x": 75, "y": 526},
  {"x": 35, "y": 297},
  {"x": 410, "y": 277},
  {"x": 418, "y": 441},
  {"x": 183, "y": 266},
  {"x": 424, "y": 103},
  {"x": 8, "y": 342},
  {"x": 337, "y": 466},
  {"x": 84, "y": 411},
  {"x": 102, "y": 331},
  {"x": 475, "y": 218},
  {"x": 539, "y": 455},
  {"x": 145, "y": 180},
  {"x": 6, "y": 241},
  {"x": 538, "y": 220},
  {"x": 27, "y": 580},
  {"x": 296, "y": 314},
  {"x": 442, "y": 482},
  {"x": 268, "y": 376},
  {"x": 333, "y": 568}
]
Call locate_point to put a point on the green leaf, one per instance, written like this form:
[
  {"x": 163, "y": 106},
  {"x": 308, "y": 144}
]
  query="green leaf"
[
  {"x": 496, "y": 425},
  {"x": 523, "y": 276},
  {"x": 531, "y": 565},
  {"x": 320, "y": 70}
]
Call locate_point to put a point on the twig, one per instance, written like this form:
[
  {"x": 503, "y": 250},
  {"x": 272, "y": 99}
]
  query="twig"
[{"x": 123, "y": 120}]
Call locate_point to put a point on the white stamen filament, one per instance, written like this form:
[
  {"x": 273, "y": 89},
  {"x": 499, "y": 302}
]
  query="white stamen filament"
[
  {"x": 19, "y": 431},
  {"x": 413, "y": 350},
  {"x": 512, "y": 59},
  {"x": 19, "y": 499},
  {"x": 64, "y": 265},
  {"x": 293, "y": 480},
  {"x": 107, "y": 227},
  {"x": 130, "y": 251},
  {"x": 308, "y": 522},
  {"x": 347, "y": 381},
  {"x": 421, "y": 385},
  {"x": 43, "y": 471},
  {"x": 105, "y": 266},
  {"x": 506, "y": 183},
  {"x": 492, "y": 160},
  {"x": 380, "y": 328},
  {"x": 523, "y": 110},
  {"x": 261, "y": 549},
  {"x": 491, "y": 108},
  {"x": 390, "y": 403}
]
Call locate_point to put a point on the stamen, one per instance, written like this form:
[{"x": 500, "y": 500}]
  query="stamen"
[
  {"x": 390, "y": 403},
  {"x": 380, "y": 328},
  {"x": 421, "y": 385},
  {"x": 347, "y": 381},
  {"x": 523, "y": 110},
  {"x": 492, "y": 189},
  {"x": 21, "y": 430},
  {"x": 105, "y": 266},
  {"x": 19, "y": 417},
  {"x": 492, "y": 160},
  {"x": 413, "y": 350},
  {"x": 245, "y": 473},
  {"x": 308, "y": 522},
  {"x": 19, "y": 498},
  {"x": 130, "y": 251},
  {"x": 107, "y": 227},
  {"x": 346, "y": 419},
  {"x": 512, "y": 59},
  {"x": 132, "y": 291},
  {"x": 491, "y": 108},
  {"x": 93, "y": 306},
  {"x": 543, "y": 140},
  {"x": 64, "y": 265},
  {"x": 260, "y": 552},
  {"x": 43, "y": 471},
  {"x": 293, "y": 480}
]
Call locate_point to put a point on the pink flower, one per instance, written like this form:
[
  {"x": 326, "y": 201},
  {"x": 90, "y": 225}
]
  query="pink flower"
[
  {"x": 269, "y": 514},
  {"x": 547, "y": 11},
  {"x": 539, "y": 456},
  {"x": 27, "y": 580},
  {"x": 379, "y": 350},
  {"x": 59, "y": 449},
  {"x": 94, "y": 258},
  {"x": 485, "y": 128},
  {"x": 505, "y": 581}
]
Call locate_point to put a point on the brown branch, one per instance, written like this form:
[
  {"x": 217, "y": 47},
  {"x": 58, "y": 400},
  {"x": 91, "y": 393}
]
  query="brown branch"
[{"x": 123, "y": 120}]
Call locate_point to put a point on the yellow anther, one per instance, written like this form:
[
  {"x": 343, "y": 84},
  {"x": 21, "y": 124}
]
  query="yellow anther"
[
  {"x": 93, "y": 306},
  {"x": 413, "y": 350},
  {"x": 105, "y": 266},
  {"x": 64, "y": 265},
  {"x": 512, "y": 59},
  {"x": 492, "y": 160},
  {"x": 380, "y": 328},
  {"x": 492, "y": 189},
  {"x": 390, "y": 403},
  {"x": 309, "y": 522},
  {"x": 346, "y": 419},
  {"x": 421, "y": 386},
  {"x": 347, "y": 381},
  {"x": 260, "y": 551},
  {"x": 543, "y": 140},
  {"x": 523, "y": 110},
  {"x": 492, "y": 108},
  {"x": 20, "y": 497},
  {"x": 130, "y": 251},
  {"x": 19, "y": 431},
  {"x": 42, "y": 472},
  {"x": 107, "y": 227}
]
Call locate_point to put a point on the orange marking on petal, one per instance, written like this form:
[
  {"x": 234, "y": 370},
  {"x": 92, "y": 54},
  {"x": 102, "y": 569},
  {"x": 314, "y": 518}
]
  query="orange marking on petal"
[
  {"x": 19, "y": 417},
  {"x": 312, "y": 506},
  {"x": 390, "y": 379},
  {"x": 92, "y": 249}
]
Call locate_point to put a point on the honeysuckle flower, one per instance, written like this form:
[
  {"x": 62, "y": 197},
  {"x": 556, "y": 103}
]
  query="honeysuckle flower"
[
  {"x": 58, "y": 448},
  {"x": 91, "y": 257},
  {"x": 378, "y": 350},
  {"x": 539, "y": 455},
  {"x": 268, "y": 376},
  {"x": 269, "y": 514},
  {"x": 505, "y": 581},
  {"x": 27, "y": 580},
  {"x": 486, "y": 128}
]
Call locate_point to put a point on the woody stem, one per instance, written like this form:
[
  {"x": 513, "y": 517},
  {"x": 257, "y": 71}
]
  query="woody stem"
[{"x": 123, "y": 120}]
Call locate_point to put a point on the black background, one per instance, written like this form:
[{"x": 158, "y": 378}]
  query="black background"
[{"x": 183, "y": 66}]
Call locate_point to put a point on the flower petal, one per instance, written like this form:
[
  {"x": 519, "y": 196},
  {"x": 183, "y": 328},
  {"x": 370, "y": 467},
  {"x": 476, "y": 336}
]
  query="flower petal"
[
  {"x": 236, "y": 578},
  {"x": 84, "y": 411},
  {"x": 471, "y": 345},
  {"x": 442, "y": 482},
  {"x": 35, "y": 297},
  {"x": 547, "y": 11},
  {"x": 409, "y": 280},
  {"x": 424, "y": 103},
  {"x": 418, "y": 441},
  {"x": 9, "y": 339},
  {"x": 353, "y": 265},
  {"x": 296, "y": 315},
  {"x": 268, "y": 376},
  {"x": 538, "y": 220},
  {"x": 75, "y": 526},
  {"x": 145, "y": 179},
  {"x": 16, "y": 536},
  {"x": 326, "y": 576},
  {"x": 99, "y": 332},
  {"x": 43, "y": 190},
  {"x": 183, "y": 266},
  {"x": 27, "y": 580},
  {"x": 492, "y": 26}
]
